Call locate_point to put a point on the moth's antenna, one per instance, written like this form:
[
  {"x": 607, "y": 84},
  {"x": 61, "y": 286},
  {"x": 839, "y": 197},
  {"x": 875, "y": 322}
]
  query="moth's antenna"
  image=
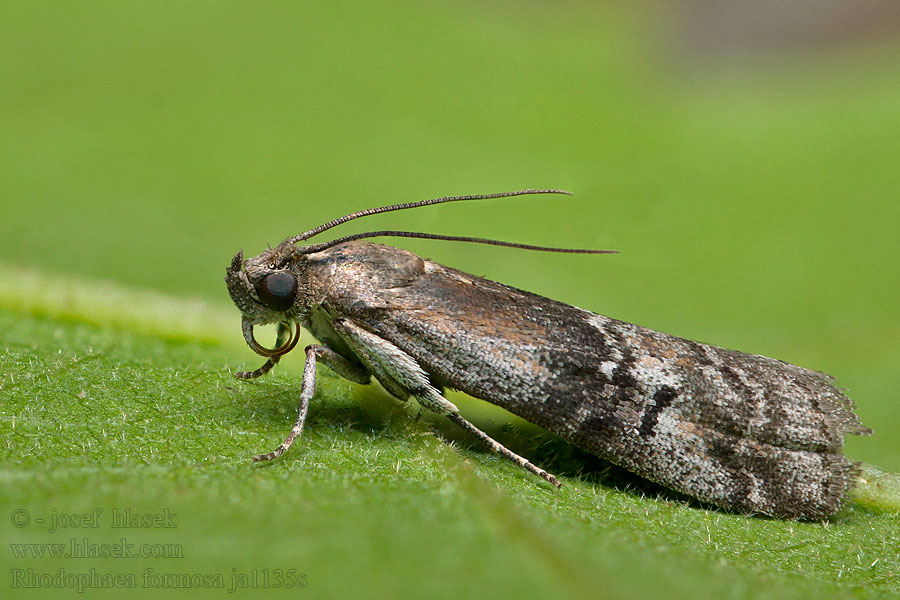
[
  {"x": 452, "y": 238},
  {"x": 404, "y": 205}
]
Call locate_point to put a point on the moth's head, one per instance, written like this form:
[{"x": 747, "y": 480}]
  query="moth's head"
[{"x": 268, "y": 288}]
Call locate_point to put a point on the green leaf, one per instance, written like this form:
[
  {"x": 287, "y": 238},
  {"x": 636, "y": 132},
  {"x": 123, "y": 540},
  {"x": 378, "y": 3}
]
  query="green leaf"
[{"x": 111, "y": 405}]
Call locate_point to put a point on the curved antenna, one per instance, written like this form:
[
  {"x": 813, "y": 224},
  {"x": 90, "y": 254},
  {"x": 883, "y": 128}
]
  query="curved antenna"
[
  {"x": 404, "y": 205},
  {"x": 453, "y": 238}
]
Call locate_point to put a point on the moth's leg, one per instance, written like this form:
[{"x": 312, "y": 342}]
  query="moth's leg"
[
  {"x": 403, "y": 370},
  {"x": 339, "y": 365},
  {"x": 396, "y": 370},
  {"x": 281, "y": 336},
  {"x": 503, "y": 450},
  {"x": 371, "y": 362}
]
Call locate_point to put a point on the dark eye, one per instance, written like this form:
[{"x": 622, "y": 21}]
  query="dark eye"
[{"x": 277, "y": 291}]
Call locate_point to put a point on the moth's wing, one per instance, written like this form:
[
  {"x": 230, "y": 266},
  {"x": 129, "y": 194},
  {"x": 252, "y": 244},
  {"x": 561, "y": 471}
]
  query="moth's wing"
[
  {"x": 739, "y": 430},
  {"x": 492, "y": 340}
]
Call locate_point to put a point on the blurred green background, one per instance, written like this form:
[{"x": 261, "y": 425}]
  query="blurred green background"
[{"x": 746, "y": 169}]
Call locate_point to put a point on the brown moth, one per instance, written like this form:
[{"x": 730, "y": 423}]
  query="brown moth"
[{"x": 742, "y": 431}]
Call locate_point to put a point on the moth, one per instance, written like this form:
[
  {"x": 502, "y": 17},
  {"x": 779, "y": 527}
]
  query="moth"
[{"x": 744, "y": 432}]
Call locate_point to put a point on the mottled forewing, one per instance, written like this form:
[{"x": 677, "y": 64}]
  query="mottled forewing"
[{"x": 742, "y": 431}]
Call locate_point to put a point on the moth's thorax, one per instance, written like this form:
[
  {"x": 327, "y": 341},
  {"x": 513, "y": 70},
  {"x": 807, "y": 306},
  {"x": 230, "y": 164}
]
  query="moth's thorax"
[{"x": 360, "y": 270}]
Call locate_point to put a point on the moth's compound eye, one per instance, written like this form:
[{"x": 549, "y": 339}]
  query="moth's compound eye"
[{"x": 277, "y": 290}]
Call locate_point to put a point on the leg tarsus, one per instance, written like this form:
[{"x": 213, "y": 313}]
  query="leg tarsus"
[
  {"x": 336, "y": 363},
  {"x": 283, "y": 331},
  {"x": 307, "y": 389},
  {"x": 265, "y": 368},
  {"x": 503, "y": 450}
]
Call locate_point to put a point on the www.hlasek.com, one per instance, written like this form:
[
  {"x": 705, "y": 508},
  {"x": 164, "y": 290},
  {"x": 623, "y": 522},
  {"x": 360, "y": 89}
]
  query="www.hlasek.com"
[
  {"x": 84, "y": 548},
  {"x": 151, "y": 578}
]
